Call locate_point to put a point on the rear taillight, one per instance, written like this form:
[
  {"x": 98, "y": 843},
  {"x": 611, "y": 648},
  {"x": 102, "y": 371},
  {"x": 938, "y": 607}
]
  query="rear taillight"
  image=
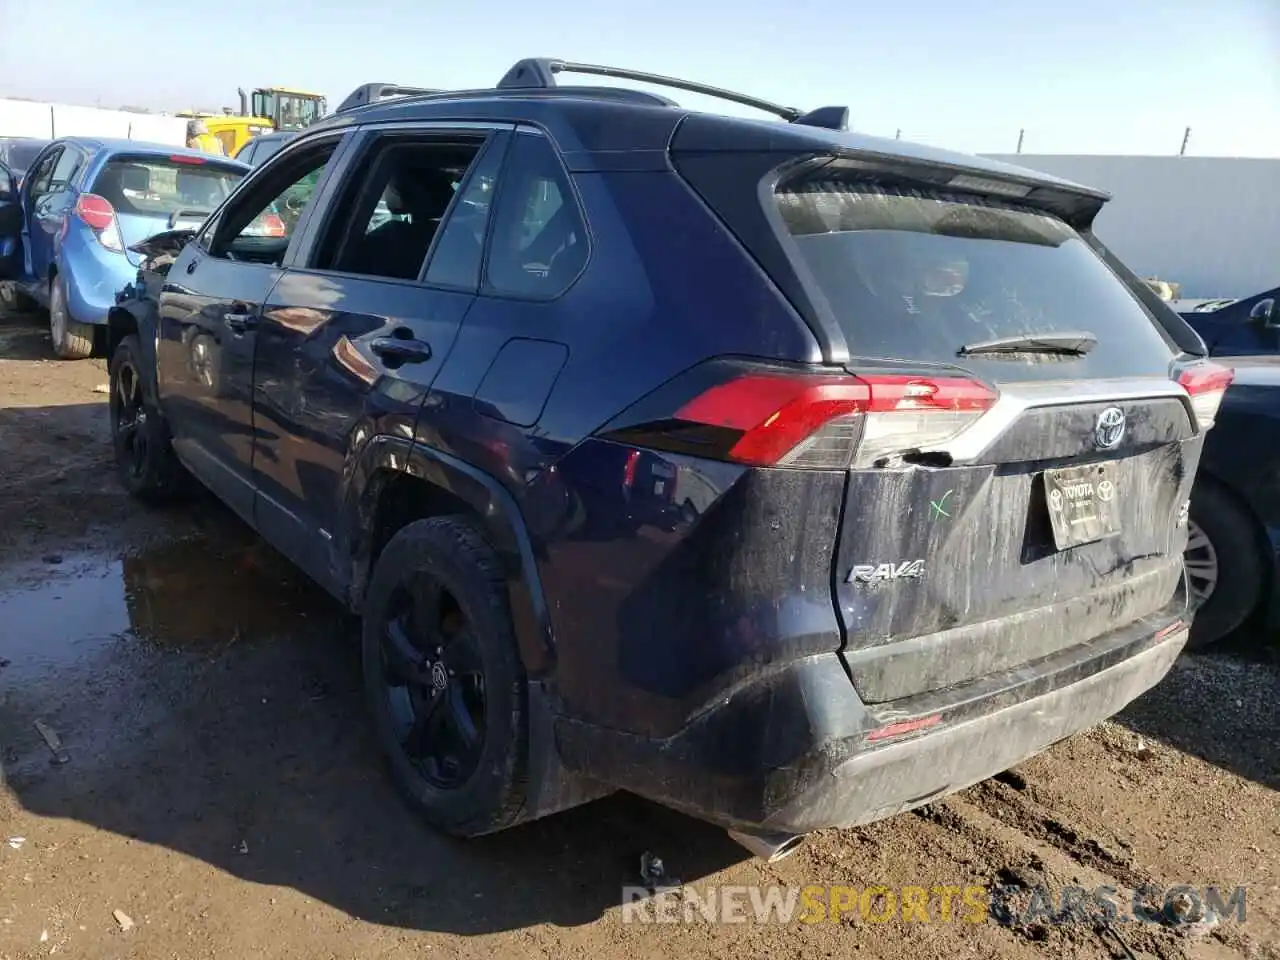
[
  {"x": 96, "y": 211},
  {"x": 273, "y": 226},
  {"x": 629, "y": 469},
  {"x": 825, "y": 421},
  {"x": 1206, "y": 382},
  {"x": 98, "y": 214}
]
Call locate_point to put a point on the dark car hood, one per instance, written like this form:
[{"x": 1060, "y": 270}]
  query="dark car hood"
[{"x": 1260, "y": 371}]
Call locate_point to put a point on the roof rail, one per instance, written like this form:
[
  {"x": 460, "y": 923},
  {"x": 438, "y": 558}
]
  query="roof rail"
[
  {"x": 538, "y": 73},
  {"x": 375, "y": 92}
]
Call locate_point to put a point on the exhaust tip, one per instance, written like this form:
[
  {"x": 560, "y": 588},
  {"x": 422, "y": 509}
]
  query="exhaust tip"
[{"x": 770, "y": 847}]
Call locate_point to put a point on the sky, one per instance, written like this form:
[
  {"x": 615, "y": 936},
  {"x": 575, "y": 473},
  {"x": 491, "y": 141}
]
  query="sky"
[{"x": 1079, "y": 76}]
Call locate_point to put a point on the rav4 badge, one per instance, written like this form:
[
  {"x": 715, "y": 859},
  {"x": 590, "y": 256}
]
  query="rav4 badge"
[{"x": 886, "y": 572}]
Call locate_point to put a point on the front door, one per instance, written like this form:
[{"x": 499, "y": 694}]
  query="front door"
[
  {"x": 51, "y": 202},
  {"x": 34, "y": 187},
  {"x": 210, "y": 309},
  {"x": 353, "y": 336}
]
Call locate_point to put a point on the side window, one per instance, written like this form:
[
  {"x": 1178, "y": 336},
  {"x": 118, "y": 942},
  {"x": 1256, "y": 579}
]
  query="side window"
[
  {"x": 65, "y": 169},
  {"x": 246, "y": 153},
  {"x": 42, "y": 173},
  {"x": 391, "y": 211},
  {"x": 258, "y": 225},
  {"x": 459, "y": 249},
  {"x": 539, "y": 243}
]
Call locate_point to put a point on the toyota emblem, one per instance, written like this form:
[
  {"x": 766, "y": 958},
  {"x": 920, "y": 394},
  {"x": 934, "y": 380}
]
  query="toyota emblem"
[{"x": 1109, "y": 430}]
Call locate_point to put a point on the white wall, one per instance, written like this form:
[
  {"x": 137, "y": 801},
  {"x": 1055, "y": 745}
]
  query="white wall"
[
  {"x": 24, "y": 118},
  {"x": 1209, "y": 223}
]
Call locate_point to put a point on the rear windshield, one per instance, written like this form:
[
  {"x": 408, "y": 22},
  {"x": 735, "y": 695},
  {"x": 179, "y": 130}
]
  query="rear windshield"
[
  {"x": 918, "y": 274},
  {"x": 159, "y": 187}
]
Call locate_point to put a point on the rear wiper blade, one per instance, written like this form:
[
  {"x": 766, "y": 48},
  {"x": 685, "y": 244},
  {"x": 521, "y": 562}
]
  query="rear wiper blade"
[{"x": 1073, "y": 343}]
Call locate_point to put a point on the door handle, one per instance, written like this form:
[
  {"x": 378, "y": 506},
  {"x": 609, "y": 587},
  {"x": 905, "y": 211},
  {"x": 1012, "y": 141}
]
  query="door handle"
[
  {"x": 400, "y": 350},
  {"x": 240, "y": 322}
]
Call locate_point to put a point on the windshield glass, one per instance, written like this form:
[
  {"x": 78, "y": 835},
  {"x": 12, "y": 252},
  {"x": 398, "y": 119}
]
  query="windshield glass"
[
  {"x": 296, "y": 112},
  {"x": 159, "y": 187},
  {"x": 917, "y": 274}
]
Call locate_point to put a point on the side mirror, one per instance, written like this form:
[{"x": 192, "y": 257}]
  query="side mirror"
[{"x": 1264, "y": 312}]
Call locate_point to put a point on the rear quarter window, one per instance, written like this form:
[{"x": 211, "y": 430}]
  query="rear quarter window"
[{"x": 918, "y": 274}]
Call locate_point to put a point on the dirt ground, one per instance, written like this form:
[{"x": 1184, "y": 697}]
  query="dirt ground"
[{"x": 220, "y": 794}]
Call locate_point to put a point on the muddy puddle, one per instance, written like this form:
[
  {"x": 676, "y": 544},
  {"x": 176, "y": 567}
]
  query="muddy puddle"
[
  {"x": 105, "y": 648},
  {"x": 189, "y": 594}
]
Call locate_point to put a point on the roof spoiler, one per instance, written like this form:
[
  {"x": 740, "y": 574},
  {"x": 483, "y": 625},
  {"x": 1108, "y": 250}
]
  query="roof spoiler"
[
  {"x": 539, "y": 73},
  {"x": 376, "y": 92}
]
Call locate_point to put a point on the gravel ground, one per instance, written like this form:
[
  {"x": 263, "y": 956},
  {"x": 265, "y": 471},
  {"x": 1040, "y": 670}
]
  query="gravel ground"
[{"x": 221, "y": 795}]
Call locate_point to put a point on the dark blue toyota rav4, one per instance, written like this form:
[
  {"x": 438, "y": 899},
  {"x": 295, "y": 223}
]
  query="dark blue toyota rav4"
[{"x": 786, "y": 476}]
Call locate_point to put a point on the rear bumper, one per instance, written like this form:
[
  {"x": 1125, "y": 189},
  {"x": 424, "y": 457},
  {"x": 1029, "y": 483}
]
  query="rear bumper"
[
  {"x": 93, "y": 276},
  {"x": 895, "y": 778},
  {"x": 790, "y": 753}
]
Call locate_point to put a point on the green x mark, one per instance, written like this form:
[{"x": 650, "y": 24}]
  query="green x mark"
[{"x": 938, "y": 508}]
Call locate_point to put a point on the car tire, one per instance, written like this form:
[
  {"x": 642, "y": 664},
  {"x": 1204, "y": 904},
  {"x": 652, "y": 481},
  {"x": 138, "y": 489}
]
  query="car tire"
[
  {"x": 148, "y": 467},
  {"x": 71, "y": 340},
  {"x": 1222, "y": 550},
  {"x": 439, "y": 588}
]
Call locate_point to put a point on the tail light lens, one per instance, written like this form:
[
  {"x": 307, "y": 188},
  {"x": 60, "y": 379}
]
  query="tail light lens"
[
  {"x": 273, "y": 226},
  {"x": 820, "y": 421},
  {"x": 98, "y": 214},
  {"x": 629, "y": 469},
  {"x": 96, "y": 211},
  {"x": 1206, "y": 383}
]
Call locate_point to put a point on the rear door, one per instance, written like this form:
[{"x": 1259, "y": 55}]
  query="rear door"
[
  {"x": 210, "y": 309},
  {"x": 1020, "y": 474},
  {"x": 10, "y": 226},
  {"x": 356, "y": 331}
]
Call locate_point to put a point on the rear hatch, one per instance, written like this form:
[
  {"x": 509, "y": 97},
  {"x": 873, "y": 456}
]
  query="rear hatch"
[
  {"x": 1019, "y": 473},
  {"x": 153, "y": 193}
]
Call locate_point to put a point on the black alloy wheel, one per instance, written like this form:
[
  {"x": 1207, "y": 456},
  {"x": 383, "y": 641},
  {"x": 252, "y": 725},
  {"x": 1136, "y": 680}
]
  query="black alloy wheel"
[{"x": 434, "y": 680}]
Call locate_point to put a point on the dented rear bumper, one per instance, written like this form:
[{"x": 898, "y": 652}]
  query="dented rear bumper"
[{"x": 797, "y": 750}]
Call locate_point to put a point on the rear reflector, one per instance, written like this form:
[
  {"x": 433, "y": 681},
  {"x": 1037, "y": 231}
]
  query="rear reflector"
[
  {"x": 822, "y": 421},
  {"x": 1206, "y": 382},
  {"x": 904, "y": 727}
]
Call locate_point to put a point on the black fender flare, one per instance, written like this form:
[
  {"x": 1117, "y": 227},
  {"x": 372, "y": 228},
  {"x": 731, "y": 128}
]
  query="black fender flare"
[
  {"x": 135, "y": 316},
  {"x": 384, "y": 456}
]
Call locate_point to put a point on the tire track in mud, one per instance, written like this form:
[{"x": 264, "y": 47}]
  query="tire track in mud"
[
  {"x": 1009, "y": 798},
  {"x": 1027, "y": 846}
]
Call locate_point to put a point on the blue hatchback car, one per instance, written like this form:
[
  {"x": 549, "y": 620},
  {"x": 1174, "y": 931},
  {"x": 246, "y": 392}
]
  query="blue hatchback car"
[{"x": 65, "y": 232}]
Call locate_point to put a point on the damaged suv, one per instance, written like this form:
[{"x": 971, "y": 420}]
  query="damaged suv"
[{"x": 783, "y": 475}]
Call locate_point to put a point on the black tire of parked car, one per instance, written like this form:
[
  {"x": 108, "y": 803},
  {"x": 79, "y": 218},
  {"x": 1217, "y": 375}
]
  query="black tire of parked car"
[
  {"x": 451, "y": 553},
  {"x": 71, "y": 340},
  {"x": 1239, "y": 586},
  {"x": 148, "y": 467}
]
